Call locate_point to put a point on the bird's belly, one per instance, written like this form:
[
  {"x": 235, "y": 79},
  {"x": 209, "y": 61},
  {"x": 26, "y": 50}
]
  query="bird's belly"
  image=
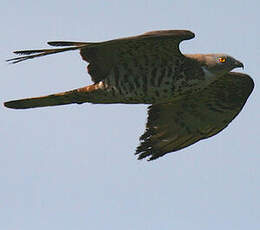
[{"x": 147, "y": 89}]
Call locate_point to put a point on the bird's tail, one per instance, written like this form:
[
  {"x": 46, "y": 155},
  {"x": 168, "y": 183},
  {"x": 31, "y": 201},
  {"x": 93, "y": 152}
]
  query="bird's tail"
[
  {"x": 29, "y": 54},
  {"x": 89, "y": 93}
]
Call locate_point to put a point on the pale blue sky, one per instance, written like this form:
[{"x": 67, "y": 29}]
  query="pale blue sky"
[{"x": 72, "y": 167}]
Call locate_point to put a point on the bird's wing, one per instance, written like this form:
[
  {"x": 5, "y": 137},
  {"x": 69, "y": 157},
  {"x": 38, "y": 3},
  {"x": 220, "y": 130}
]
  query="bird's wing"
[
  {"x": 173, "y": 126},
  {"x": 152, "y": 46},
  {"x": 102, "y": 56}
]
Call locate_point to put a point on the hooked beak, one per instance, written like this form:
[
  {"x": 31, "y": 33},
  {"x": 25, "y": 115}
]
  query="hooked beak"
[{"x": 239, "y": 64}]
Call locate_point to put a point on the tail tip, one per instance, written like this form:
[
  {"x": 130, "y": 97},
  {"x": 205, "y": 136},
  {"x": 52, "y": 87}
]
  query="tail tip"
[{"x": 14, "y": 105}]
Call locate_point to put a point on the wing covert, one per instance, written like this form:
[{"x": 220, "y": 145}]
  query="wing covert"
[
  {"x": 104, "y": 55},
  {"x": 173, "y": 126}
]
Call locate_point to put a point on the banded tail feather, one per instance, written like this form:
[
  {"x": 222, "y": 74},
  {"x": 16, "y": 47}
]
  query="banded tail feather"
[{"x": 77, "y": 96}]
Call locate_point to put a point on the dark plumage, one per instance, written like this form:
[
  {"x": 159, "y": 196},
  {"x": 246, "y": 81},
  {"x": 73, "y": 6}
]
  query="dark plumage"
[{"x": 192, "y": 97}]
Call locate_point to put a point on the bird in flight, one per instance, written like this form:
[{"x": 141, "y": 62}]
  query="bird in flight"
[{"x": 191, "y": 96}]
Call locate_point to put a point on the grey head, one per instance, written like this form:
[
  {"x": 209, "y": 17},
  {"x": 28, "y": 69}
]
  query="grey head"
[{"x": 217, "y": 64}]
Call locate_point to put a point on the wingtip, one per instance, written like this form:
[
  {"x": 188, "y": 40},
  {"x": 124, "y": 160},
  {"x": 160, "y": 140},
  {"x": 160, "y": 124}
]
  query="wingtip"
[
  {"x": 15, "y": 60},
  {"x": 67, "y": 43},
  {"x": 145, "y": 155},
  {"x": 151, "y": 158}
]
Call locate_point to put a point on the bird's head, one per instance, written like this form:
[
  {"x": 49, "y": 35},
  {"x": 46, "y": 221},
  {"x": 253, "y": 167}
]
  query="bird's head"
[
  {"x": 217, "y": 64},
  {"x": 221, "y": 63}
]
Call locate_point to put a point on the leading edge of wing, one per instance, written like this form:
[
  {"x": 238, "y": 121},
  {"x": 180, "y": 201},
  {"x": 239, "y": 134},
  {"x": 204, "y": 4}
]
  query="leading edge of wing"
[{"x": 174, "y": 126}]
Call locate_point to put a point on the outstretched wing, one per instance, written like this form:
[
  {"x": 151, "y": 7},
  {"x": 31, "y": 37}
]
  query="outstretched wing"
[
  {"x": 148, "y": 47},
  {"x": 102, "y": 56},
  {"x": 173, "y": 126}
]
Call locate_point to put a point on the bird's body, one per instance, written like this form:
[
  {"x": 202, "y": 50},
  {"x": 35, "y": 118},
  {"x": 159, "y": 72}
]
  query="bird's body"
[
  {"x": 147, "y": 83},
  {"x": 193, "y": 96}
]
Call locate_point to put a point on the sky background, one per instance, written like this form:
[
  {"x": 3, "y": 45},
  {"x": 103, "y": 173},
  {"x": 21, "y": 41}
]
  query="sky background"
[{"x": 73, "y": 167}]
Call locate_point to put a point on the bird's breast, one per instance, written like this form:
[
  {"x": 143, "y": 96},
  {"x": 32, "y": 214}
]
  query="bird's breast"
[{"x": 151, "y": 82}]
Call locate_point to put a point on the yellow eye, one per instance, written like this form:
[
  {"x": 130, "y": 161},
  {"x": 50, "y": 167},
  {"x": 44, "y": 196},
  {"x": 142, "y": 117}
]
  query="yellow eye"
[{"x": 222, "y": 60}]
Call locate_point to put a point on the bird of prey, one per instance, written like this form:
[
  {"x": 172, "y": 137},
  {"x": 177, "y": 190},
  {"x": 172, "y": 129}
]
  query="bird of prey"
[{"x": 191, "y": 97}]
